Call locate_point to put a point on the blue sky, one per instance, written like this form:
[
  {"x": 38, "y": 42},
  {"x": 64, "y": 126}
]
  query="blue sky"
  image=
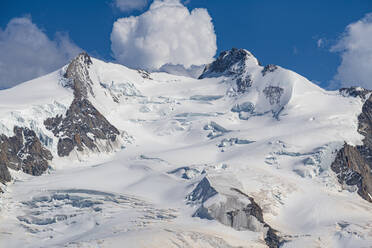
[{"x": 277, "y": 32}]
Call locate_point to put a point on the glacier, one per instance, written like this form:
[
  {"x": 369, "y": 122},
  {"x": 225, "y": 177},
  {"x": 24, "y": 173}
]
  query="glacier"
[{"x": 260, "y": 135}]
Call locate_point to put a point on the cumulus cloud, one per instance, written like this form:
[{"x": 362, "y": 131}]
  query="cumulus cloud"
[
  {"x": 168, "y": 33},
  {"x": 355, "y": 48},
  {"x": 129, "y": 5},
  {"x": 26, "y": 52}
]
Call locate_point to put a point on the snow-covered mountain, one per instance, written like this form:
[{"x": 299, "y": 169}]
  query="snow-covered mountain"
[{"x": 100, "y": 155}]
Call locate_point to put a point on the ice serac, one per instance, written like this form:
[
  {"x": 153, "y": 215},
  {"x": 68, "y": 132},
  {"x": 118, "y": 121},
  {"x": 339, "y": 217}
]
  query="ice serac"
[
  {"x": 23, "y": 151},
  {"x": 233, "y": 63},
  {"x": 83, "y": 126},
  {"x": 353, "y": 164},
  {"x": 232, "y": 207}
]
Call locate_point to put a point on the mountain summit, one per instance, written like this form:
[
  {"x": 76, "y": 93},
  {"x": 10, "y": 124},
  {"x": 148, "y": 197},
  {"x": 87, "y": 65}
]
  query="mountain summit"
[
  {"x": 230, "y": 63},
  {"x": 83, "y": 126},
  {"x": 235, "y": 63}
]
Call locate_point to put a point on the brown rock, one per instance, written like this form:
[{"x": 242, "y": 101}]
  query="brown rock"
[
  {"x": 81, "y": 119},
  {"x": 353, "y": 164},
  {"x": 23, "y": 151}
]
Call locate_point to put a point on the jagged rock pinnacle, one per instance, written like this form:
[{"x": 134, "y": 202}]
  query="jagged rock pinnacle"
[
  {"x": 77, "y": 73},
  {"x": 233, "y": 63},
  {"x": 228, "y": 63}
]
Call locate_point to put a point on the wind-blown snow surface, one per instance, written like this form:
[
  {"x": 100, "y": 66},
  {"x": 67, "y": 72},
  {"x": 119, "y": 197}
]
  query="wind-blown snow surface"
[{"x": 279, "y": 154}]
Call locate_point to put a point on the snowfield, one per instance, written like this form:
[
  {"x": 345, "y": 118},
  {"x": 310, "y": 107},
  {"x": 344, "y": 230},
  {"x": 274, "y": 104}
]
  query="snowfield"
[{"x": 275, "y": 143}]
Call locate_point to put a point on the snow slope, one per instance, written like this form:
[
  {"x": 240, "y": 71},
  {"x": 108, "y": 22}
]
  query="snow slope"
[
  {"x": 30, "y": 103},
  {"x": 275, "y": 142}
]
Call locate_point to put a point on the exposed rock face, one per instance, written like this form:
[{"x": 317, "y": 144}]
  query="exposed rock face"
[
  {"x": 83, "y": 125},
  {"x": 353, "y": 165},
  {"x": 23, "y": 151},
  {"x": 355, "y": 92},
  {"x": 243, "y": 82},
  {"x": 247, "y": 107},
  {"x": 4, "y": 174},
  {"x": 273, "y": 93},
  {"x": 234, "y": 208},
  {"x": 202, "y": 192},
  {"x": 225, "y": 63},
  {"x": 78, "y": 76},
  {"x": 80, "y": 128},
  {"x": 144, "y": 74},
  {"x": 352, "y": 169},
  {"x": 234, "y": 141},
  {"x": 268, "y": 68},
  {"x": 365, "y": 123},
  {"x": 232, "y": 64}
]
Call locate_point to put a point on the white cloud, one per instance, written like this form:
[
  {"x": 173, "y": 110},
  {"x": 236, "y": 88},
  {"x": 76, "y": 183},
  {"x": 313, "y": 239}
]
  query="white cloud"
[
  {"x": 168, "y": 33},
  {"x": 320, "y": 42},
  {"x": 26, "y": 52},
  {"x": 355, "y": 48},
  {"x": 129, "y": 5}
]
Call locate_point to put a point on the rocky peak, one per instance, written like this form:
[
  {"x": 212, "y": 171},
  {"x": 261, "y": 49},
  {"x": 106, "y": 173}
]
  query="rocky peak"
[
  {"x": 78, "y": 75},
  {"x": 83, "y": 126},
  {"x": 233, "y": 63},
  {"x": 229, "y": 63}
]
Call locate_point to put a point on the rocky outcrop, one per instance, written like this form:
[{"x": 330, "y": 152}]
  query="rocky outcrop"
[
  {"x": 352, "y": 169},
  {"x": 273, "y": 94},
  {"x": 353, "y": 164},
  {"x": 202, "y": 192},
  {"x": 4, "y": 174},
  {"x": 77, "y": 76},
  {"x": 83, "y": 126},
  {"x": 23, "y": 151},
  {"x": 233, "y": 64},
  {"x": 226, "y": 63},
  {"x": 234, "y": 141},
  {"x": 145, "y": 74},
  {"x": 245, "y": 110},
  {"x": 215, "y": 130},
  {"x": 355, "y": 92},
  {"x": 233, "y": 208},
  {"x": 268, "y": 68}
]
